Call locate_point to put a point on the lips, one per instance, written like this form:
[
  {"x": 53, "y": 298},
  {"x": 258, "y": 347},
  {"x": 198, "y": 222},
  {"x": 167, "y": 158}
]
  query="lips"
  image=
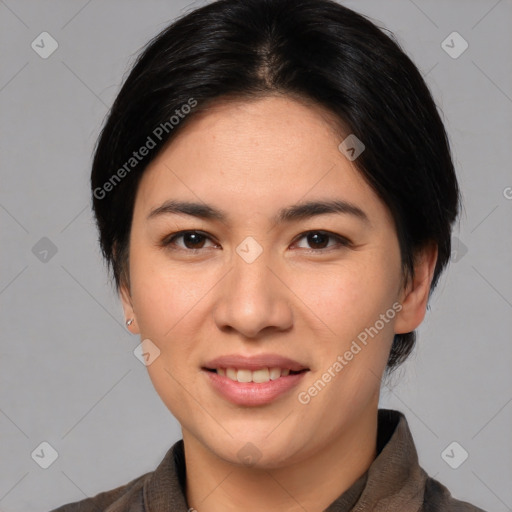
[{"x": 255, "y": 380}]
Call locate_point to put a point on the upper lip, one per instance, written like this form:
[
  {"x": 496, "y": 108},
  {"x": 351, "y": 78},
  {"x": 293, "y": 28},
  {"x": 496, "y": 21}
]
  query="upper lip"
[{"x": 255, "y": 362}]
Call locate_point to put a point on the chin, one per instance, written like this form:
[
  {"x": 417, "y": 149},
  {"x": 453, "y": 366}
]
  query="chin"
[{"x": 257, "y": 450}]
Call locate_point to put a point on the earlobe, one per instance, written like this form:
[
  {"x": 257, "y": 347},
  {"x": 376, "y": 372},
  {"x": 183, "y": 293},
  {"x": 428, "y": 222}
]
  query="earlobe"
[{"x": 415, "y": 295}]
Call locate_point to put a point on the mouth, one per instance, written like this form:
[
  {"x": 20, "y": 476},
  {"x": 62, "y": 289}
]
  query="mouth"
[{"x": 252, "y": 381}]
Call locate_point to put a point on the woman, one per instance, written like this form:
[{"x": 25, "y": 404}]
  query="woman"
[{"x": 274, "y": 193}]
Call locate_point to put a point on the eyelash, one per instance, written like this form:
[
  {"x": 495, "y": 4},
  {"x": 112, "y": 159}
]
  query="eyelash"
[{"x": 169, "y": 240}]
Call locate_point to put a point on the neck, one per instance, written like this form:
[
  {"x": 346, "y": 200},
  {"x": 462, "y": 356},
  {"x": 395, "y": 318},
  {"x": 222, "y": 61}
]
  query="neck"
[{"x": 215, "y": 485}]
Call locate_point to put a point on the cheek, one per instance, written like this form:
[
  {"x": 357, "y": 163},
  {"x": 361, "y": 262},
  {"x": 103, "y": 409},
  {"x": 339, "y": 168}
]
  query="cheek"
[
  {"x": 346, "y": 299},
  {"x": 164, "y": 294},
  {"x": 168, "y": 305}
]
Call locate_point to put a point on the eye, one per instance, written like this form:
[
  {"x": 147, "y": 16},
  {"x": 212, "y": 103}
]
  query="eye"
[
  {"x": 319, "y": 240},
  {"x": 191, "y": 240},
  {"x": 194, "y": 240}
]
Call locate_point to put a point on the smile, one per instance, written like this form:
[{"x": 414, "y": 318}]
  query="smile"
[{"x": 248, "y": 388}]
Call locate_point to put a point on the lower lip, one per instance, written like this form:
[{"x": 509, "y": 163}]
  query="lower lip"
[{"x": 253, "y": 393}]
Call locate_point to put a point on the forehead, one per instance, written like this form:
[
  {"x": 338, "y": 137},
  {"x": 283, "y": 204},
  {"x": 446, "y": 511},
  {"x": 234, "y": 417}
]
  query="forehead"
[
  {"x": 250, "y": 155},
  {"x": 262, "y": 126}
]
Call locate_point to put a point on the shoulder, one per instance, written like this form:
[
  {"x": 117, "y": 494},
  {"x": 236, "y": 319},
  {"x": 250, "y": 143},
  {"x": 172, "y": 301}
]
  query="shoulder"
[
  {"x": 164, "y": 485},
  {"x": 437, "y": 498},
  {"x": 112, "y": 501}
]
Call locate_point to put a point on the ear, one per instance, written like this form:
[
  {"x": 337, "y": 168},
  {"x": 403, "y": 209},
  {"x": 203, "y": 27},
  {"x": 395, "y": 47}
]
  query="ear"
[
  {"x": 129, "y": 313},
  {"x": 125, "y": 294},
  {"x": 414, "y": 297}
]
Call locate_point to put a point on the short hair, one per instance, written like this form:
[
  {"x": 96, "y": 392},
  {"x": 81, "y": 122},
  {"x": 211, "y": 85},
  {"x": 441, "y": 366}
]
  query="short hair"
[{"x": 314, "y": 50}]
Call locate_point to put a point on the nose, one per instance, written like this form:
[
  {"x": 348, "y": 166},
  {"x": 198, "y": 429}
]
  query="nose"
[{"x": 253, "y": 298}]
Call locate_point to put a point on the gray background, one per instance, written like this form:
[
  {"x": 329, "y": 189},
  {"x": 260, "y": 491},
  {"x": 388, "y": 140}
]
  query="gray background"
[{"x": 68, "y": 375}]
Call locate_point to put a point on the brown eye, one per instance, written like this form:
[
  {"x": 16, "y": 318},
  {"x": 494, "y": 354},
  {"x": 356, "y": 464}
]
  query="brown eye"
[
  {"x": 318, "y": 240},
  {"x": 191, "y": 240}
]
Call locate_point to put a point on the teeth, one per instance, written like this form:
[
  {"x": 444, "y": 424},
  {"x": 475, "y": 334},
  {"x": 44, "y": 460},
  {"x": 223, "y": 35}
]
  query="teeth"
[
  {"x": 244, "y": 376},
  {"x": 258, "y": 376},
  {"x": 275, "y": 373}
]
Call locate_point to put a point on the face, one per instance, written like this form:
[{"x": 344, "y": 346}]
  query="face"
[{"x": 251, "y": 278}]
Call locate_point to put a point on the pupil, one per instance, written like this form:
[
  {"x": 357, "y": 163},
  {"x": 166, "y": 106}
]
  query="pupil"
[
  {"x": 316, "y": 239},
  {"x": 193, "y": 238}
]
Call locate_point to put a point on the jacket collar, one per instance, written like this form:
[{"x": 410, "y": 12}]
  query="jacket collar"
[{"x": 394, "y": 481}]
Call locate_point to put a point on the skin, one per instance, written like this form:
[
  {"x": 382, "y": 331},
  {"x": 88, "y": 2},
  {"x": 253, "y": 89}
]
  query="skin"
[{"x": 251, "y": 159}]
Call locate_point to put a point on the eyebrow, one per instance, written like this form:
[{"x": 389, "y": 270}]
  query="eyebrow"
[{"x": 290, "y": 213}]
